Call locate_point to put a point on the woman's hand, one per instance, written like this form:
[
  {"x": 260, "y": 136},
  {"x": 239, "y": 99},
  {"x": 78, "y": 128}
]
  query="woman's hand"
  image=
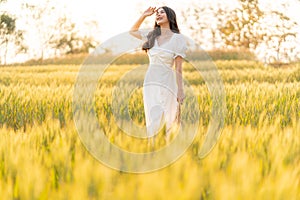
[
  {"x": 180, "y": 96},
  {"x": 150, "y": 11}
]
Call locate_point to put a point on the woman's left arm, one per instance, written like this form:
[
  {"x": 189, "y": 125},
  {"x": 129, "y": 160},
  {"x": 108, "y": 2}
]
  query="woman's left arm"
[{"x": 178, "y": 66}]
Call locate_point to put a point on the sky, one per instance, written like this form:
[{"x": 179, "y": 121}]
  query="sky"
[{"x": 117, "y": 16}]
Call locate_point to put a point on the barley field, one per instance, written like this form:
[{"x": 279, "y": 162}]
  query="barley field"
[{"x": 257, "y": 155}]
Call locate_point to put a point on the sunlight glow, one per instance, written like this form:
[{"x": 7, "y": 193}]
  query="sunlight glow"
[{"x": 115, "y": 16}]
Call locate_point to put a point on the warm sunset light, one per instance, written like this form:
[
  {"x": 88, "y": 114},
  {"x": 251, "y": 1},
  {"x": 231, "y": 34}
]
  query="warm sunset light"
[{"x": 150, "y": 99}]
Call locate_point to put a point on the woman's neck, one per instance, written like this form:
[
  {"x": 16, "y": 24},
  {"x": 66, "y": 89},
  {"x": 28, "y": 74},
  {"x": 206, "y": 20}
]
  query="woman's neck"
[{"x": 165, "y": 31}]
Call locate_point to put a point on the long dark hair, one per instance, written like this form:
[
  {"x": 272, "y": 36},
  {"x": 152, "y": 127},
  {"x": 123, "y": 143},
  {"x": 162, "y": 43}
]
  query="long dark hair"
[{"x": 171, "y": 15}]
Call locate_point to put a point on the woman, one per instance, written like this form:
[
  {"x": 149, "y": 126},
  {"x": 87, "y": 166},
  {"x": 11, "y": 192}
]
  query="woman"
[{"x": 163, "y": 86}]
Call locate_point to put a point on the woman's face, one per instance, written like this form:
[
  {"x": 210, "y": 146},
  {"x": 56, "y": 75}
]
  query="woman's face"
[{"x": 161, "y": 16}]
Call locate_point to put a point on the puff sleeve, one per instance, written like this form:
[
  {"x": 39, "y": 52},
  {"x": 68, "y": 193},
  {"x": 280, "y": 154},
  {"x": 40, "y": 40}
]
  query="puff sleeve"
[{"x": 180, "y": 46}]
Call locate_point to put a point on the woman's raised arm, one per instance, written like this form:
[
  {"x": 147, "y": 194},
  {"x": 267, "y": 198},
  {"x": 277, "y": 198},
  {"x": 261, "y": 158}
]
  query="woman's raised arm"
[{"x": 134, "y": 29}]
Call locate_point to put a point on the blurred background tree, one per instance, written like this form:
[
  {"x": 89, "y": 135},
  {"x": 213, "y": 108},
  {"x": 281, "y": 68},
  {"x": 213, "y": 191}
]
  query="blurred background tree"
[
  {"x": 11, "y": 38},
  {"x": 56, "y": 34},
  {"x": 245, "y": 26},
  {"x": 67, "y": 39}
]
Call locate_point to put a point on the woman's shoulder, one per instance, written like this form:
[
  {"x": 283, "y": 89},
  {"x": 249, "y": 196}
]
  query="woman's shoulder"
[{"x": 178, "y": 37}]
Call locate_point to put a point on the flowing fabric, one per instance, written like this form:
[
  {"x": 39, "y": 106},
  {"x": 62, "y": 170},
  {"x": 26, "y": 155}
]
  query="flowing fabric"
[{"x": 160, "y": 86}]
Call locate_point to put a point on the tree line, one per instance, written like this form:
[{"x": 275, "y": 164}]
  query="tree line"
[
  {"x": 54, "y": 32},
  {"x": 249, "y": 26},
  {"x": 269, "y": 33}
]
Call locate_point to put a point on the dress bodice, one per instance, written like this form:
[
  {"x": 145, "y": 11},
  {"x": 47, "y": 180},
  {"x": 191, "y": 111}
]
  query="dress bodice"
[
  {"x": 165, "y": 53},
  {"x": 162, "y": 54}
]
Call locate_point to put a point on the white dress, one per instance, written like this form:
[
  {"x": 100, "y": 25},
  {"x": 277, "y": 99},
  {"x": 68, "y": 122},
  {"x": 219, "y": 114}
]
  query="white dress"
[{"x": 160, "y": 85}]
